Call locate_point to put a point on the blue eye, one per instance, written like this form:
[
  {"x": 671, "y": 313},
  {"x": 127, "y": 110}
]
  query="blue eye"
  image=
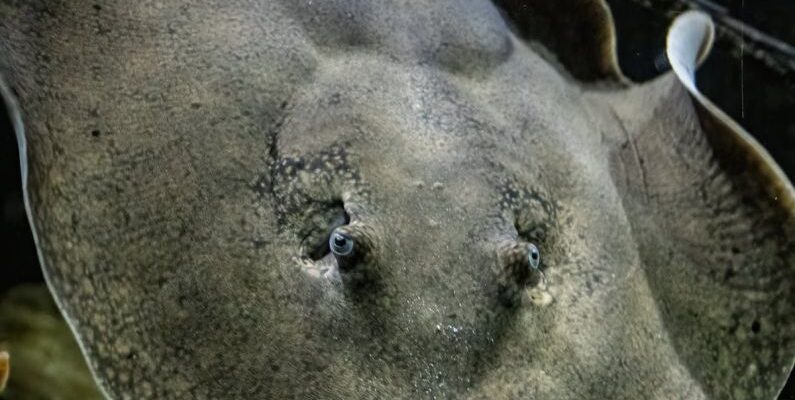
[
  {"x": 340, "y": 243},
  {"x": 533, "y": 256}
]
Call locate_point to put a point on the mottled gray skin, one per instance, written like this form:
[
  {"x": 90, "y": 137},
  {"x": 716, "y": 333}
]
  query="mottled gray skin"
[{"x": 183, "y": 157}]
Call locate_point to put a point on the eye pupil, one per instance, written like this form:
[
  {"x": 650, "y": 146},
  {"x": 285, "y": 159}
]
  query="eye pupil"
[{"x": 341, "y": 243}]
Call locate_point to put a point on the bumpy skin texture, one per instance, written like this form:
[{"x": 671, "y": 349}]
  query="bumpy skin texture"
[{"x": 184, "y": 155}]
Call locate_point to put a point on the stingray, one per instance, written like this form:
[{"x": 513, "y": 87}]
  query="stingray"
[{"x": 429, "y": 199}]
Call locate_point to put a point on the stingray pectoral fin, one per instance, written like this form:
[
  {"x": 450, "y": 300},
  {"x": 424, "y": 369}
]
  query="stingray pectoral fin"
[
  {"x": 149, "y": 187},
  {"x": 580, "y": 33},
  {"x": 714, "y": 220},
  {"x": 689, "y": 41}
]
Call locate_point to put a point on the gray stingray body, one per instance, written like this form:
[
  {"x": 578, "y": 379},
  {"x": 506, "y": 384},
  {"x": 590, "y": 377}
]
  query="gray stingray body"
[{"x": 185, "y": 158}]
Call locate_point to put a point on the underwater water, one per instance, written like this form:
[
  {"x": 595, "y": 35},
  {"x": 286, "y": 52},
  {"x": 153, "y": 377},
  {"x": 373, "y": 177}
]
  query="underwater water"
[{"x": 750, "y": 74}]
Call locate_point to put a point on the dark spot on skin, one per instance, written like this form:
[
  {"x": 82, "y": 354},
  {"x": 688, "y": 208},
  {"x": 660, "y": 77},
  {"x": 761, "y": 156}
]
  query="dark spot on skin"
[
  {"x": 195, "y": 105},
  {"x": 182, "y": 231},
  {"x": 97, "y": 7},
  {"x": 183, "y": 301},
  {"x": 75, "y": 222},
  {"x": 275, "y": 368},
  {"x": 735, "y": 250},
  {"x": 729, "y": 274},
  {"x": 509, "y": 297},
  {"x": 756, "y": 326},
  {"x": 95, "y": 133},
  {"x": 283, "y": 105}
]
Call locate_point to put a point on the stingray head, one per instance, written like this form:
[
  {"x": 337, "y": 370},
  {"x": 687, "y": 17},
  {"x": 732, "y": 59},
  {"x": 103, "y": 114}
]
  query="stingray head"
[{"x": 360, "y": 199}]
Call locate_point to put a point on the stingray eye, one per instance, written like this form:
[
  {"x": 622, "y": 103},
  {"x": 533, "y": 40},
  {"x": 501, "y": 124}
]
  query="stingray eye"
[
  {"x": 518, "y": 268},
  {"x": 340, "y": 243},
  {"x": 353, "y": 246},
  {"x": 315, "y": 243},
  {"x": 533, "y": 256}
]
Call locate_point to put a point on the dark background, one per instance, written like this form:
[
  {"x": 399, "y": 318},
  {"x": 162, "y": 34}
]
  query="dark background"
[{"x": 750, "y": 74}]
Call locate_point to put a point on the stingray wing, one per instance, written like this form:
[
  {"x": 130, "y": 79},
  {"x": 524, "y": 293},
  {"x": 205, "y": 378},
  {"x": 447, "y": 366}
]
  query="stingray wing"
[
  {"x": 714, "y": 218},
  {"x": 149, "y": 133}
]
